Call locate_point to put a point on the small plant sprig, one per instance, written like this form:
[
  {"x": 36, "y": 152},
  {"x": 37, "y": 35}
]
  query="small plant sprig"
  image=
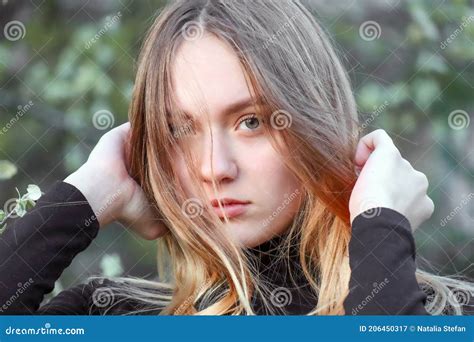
[{"x": 23, "y": 203}]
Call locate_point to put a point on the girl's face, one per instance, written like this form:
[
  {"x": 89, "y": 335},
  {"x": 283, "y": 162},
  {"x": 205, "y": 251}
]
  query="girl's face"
[{"x": 246, "y": 166}]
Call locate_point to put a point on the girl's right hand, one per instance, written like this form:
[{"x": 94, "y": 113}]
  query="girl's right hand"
[{"x": 111, "y": 192}]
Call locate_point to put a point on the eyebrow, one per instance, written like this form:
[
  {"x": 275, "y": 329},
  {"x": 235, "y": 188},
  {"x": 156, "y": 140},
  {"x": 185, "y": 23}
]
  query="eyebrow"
[{"x": 237, "y": 106}]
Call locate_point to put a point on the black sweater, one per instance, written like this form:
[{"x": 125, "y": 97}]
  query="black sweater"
[{"x": 35, "y": 249}]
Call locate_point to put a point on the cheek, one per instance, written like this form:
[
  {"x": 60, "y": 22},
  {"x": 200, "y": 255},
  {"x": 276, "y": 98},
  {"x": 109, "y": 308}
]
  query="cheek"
[
  {"x": 268, "y": 171},
  {"x": 182, "y": 173},
  {"x": 272, "y": 184}
]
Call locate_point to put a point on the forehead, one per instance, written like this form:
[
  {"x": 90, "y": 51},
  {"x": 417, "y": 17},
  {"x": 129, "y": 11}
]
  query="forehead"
[{"x": 207, "y": 70}]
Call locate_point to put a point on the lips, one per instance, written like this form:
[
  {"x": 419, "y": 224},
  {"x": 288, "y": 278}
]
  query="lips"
[
  {"x": 227, "y": 201},
  {"x": 230, "y": 206}
]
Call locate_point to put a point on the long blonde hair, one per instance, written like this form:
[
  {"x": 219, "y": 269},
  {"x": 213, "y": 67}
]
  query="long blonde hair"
[{"x": 290, "y": 64}]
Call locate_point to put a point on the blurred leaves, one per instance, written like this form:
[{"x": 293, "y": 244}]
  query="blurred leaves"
[
  {"x": 111, "y": 265},
  {"x": 7, "y": 169},
  {"x": 71, "y": 64}
]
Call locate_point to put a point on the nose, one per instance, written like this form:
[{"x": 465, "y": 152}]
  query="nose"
[{"x": 218, "y": 157}]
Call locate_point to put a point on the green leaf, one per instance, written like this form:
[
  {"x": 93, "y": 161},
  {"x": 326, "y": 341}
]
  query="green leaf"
[
  {"x": 30, "y": 204},
  {"x": 371, "y": 96},
  {"x": 429, "y": 62},
  {"x": 111, "y": 265},
  {"x": 422, "y": 18},
  {"x": 20, "y": 208},
  {"x": 34, "y": 192},
  {"x": 425, "y": 91},
  {"x": 7, "y": 169},
  {"x": 2, "y": 215}
]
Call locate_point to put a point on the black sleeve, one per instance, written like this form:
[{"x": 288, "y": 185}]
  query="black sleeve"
[
  {"x": 382, "y": 260},
  {"x": 35, "y": 250}
]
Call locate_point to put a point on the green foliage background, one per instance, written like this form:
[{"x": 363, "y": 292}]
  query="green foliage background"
[{"x": 405, "y": 71}]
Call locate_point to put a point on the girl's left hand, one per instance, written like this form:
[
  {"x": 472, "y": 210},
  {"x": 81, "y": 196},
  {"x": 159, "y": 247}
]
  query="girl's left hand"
[{"x": 387, "y": 180}]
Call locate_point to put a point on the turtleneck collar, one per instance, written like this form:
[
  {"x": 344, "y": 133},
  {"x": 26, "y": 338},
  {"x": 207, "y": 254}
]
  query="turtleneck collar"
[{"x": 290, "y": 291}]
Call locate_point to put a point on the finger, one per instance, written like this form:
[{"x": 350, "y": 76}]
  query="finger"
[
  {"x": 123, "y": 131},
  {"x": 145, "y": 223},
  {"x": 125, "y": 127},
  {"x": 148, "y": 230},
  {"x": 142, "y": 217},
  {"x": 427, "y": 208},
  {"x": 368, "y": 144},
  {"x": 120, "y": 139}
]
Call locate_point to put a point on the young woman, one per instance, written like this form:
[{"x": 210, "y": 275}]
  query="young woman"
[{"x": 242, "y": 158}]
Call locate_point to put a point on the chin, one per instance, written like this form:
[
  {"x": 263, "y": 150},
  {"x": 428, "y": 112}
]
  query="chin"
[{"x": 242, "y": 236}]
